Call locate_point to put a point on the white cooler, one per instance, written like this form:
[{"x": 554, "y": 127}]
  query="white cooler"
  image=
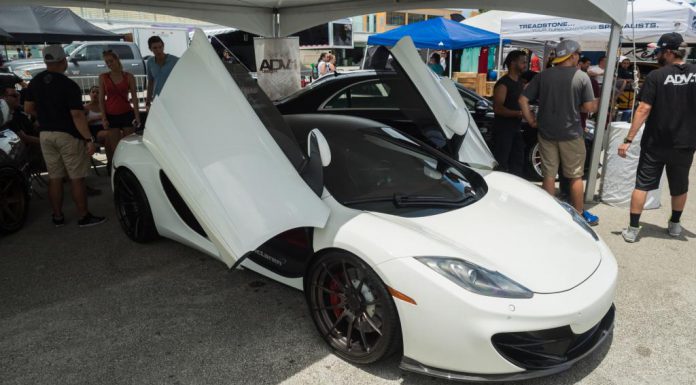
[{"x": 620, "y": 173}]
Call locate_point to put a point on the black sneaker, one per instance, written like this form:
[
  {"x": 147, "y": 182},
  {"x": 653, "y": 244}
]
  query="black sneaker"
[
  {"x": 58, "y": 221},
  {"x": 90, "y": 220}
]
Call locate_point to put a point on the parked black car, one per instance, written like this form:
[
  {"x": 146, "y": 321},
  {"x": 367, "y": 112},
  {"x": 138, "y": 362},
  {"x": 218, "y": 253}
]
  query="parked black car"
[
  {"x": 14, "y": 182},
  {"x": 367, "y": 94}
]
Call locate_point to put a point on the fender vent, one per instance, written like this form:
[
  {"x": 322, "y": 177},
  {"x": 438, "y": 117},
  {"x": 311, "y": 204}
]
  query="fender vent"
[{"x": 180, "y": 206}]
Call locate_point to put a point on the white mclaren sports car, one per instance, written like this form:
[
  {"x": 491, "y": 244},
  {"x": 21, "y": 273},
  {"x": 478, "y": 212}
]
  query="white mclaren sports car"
[{"x": 471, "y": 274}]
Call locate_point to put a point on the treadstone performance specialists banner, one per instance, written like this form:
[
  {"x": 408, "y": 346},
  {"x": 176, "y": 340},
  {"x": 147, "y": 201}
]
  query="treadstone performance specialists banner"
[
  {"x": 649, "y": 25},
  {"x": 278, "y": 65}
]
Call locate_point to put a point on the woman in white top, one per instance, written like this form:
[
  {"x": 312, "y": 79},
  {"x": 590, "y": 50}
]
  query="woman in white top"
[{"x": 326, "y": 67}]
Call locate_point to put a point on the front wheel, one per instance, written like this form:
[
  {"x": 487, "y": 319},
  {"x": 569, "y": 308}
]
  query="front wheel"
[
  {"x": 132, "y": 207},
  {"x": 352, "y": 309}
]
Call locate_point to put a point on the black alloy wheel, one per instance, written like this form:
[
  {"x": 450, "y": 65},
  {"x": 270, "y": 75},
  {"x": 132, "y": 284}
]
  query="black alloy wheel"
[
  {"x": 352, "y": 308},
  {"x": 14, "y": 200},
  {"x": 132, "y": 207}
]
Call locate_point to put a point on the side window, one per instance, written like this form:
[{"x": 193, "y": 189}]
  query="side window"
[
  {"x": 90, "y": 53},
  {"x": 123, "y": 51},
  {"x": 372, "y": 95}
]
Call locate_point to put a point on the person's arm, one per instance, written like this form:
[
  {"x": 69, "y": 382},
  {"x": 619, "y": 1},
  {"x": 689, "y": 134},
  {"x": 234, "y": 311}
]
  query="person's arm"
[
  {"x": 527, "y": 112},
  {"x": 134, "y": 98},
  {"x": 78, "y": 117},
  {"x": 150, "y": 90},
  {"x": 589, "y": 104},
  {"x": 639, "y": 118},
  {"x": 531, "y": 92},
  {"x": 102, "y": 103},
  {"x": 28, "y": 139},
  {"x": 30, "y": 108},
  {"x": 499, "y": 95}
]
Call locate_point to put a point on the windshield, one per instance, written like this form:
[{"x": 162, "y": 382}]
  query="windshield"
[
  {"x": 382, "y": 170},
  {"x": 71, "y": 47}
]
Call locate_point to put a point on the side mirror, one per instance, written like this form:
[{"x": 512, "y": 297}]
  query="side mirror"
[
  {"x": 481, "y": 107},
  {"x": 318, "y": 146}
]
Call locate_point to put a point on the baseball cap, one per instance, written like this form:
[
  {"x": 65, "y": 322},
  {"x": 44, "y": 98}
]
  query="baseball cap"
[
  {"x": 670, "y": 40},
  {"x": 564, "y": 49},
  {"x": 54, "y": 53}
]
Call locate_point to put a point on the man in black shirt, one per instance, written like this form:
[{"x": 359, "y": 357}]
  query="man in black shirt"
[
  {"x": 508, "y": 145},
  {"x": 66, "y": 142},
  {"x": 667, "y": 103}
]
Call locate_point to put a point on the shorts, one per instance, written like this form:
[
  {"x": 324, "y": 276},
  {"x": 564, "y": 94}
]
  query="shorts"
[
  {"x": 654, "y": 160},
  {"x": 567, "y": 154},
  {"x": 64, "y": 155},
  {"x": 121, "y": 120}
]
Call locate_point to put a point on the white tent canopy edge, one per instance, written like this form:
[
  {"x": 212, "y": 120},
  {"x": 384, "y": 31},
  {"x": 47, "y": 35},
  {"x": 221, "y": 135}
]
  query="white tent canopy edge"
[{"x": 282, "y": 18}]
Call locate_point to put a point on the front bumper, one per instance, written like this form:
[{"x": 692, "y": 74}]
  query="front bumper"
[
  {"x": 542, "y": 353},
  {"x": 452, "y": 333}
]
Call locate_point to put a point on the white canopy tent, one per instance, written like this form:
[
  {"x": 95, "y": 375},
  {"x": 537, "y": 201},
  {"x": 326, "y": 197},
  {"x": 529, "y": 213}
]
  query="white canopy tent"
[
  {"x": 276, "y": 18},
  {"x": 490, "y": 20},
  {"x": 652, "y": 19},
  {"x": 284, "y": 17}
]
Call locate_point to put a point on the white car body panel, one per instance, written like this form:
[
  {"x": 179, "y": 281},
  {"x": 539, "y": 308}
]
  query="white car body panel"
[
  {"x": 222, "y": 159},
  {"x": 243, "y": 191},
  {"x": 446, "y": 104}
]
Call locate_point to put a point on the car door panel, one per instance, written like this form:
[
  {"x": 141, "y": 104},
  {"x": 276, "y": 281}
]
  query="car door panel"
[{"x": 226, "y": 165}]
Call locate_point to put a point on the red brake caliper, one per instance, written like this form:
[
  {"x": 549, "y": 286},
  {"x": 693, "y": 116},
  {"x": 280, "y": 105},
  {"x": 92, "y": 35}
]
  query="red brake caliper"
[{"x": 335, "y": 299}]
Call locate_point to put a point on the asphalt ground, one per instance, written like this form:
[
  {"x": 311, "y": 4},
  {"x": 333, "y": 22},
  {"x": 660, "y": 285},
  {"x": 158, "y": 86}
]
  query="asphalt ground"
[{"x": 88, "y": 306}]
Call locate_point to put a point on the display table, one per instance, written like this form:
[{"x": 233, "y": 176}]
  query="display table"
[{"x": 620, "y": 173}]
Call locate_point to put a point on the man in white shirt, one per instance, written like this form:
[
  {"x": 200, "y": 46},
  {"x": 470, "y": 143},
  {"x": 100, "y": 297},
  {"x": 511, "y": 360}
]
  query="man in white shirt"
[{"x": 597, "y": 72}]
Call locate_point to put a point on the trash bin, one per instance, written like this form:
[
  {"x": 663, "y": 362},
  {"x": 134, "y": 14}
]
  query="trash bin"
[{"x": 620, "y": 173}]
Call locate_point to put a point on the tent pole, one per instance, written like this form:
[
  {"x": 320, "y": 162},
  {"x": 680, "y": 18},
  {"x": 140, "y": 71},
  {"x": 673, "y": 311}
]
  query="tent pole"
[
  {"x": 450, "y": 64},
  {"x": 500, "y": 58},
  {"x": 603, "y": 111}
]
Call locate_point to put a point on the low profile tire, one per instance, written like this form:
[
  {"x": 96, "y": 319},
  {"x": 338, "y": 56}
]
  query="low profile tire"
[
  {"x": 352, "y": 309},
  {"x": 14, "y": 200},
  {"x": 534, "y": 162},
  {"x": 132, "y": 207}
]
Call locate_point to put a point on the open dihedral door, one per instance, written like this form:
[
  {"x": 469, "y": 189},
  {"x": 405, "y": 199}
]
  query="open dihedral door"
[
  {"x": 214, "y": 147},
  {"x": 446, "y": 104}
]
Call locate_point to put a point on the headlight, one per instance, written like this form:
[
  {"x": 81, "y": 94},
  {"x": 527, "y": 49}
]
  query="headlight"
[
  {"x": 475, "y": 278},
  {"x": 577, "y": 218}
]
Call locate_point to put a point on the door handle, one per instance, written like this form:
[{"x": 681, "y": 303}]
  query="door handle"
[{"x": 101, "y": 65}]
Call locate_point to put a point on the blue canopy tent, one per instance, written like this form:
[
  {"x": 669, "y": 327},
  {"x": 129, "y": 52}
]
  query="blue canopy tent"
[{"x": 439, "y": 33}]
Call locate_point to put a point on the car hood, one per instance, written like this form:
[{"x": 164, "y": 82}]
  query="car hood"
[{"x": 518, "y": 230}]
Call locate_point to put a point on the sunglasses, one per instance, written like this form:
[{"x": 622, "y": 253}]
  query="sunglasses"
[{"x": 13, "y": 95}]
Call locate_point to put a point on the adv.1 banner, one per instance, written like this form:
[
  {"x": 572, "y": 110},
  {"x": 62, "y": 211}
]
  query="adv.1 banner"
[{"x": 278, "y": 65}]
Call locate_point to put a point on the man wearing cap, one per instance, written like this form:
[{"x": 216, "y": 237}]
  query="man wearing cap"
[
  {"x": 66, "y": 142},
  {"x": 563, "y": 92},
  {"x": 667, "y": 107}
]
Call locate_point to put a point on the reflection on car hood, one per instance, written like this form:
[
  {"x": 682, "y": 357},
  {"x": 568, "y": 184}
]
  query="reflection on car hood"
[{"x": 518, "y": 230}]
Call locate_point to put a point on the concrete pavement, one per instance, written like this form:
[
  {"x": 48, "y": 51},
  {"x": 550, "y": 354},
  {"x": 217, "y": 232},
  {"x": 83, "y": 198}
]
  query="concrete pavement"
[{"x": 88, "y": 306}]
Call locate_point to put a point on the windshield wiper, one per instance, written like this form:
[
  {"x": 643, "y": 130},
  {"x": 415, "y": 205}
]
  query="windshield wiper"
[{"x": 401, "y": 200}]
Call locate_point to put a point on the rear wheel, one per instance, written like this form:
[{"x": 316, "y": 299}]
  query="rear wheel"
[
  {"x": 534, "y": 162},
  {"x": 352, "y": 308},
  {"x": 132, "y": 207},
  {"x": 14, "y": 200}
]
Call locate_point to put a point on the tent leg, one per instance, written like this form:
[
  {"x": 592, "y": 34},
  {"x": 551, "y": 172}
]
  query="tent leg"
[
  {"x": 450, "y": 64},
  {"x": 500, "y": 59},
  {"x": 603, "y": 111}
]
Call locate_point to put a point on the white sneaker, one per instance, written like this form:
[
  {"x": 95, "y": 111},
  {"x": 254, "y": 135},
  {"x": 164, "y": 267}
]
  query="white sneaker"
[
  {"x": 630, "y": 234},
  {"x": 674, "y": 229}
]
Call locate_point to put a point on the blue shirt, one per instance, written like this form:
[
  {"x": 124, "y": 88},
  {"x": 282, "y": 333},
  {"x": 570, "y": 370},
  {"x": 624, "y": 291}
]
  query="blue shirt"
[{"x": 158, "y": 74}]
